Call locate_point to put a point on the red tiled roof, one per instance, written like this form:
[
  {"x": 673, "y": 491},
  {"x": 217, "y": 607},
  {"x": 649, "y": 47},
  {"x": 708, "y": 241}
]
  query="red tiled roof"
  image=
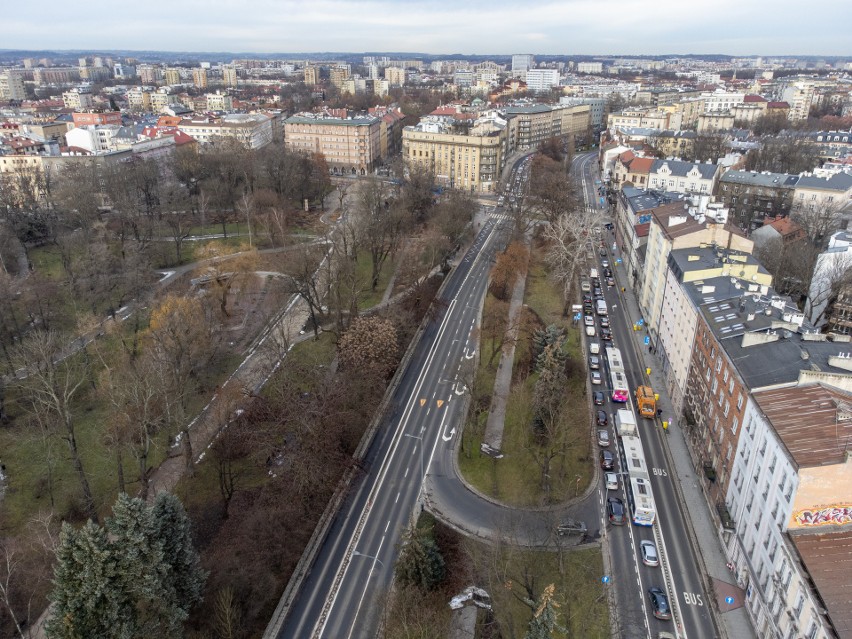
[
  {"x": 777, "y": 105},
  {"x": 641, "y": 165},
  {"x": 642, "y": 230},
  {"x": 754, "y": 98},
  {"x": 784, "y": 225}
]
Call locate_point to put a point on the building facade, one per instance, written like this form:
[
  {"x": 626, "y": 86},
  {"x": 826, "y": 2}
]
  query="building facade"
[
  {"x": 351, "y": 146},
  {"x": 753, "y": 196}
]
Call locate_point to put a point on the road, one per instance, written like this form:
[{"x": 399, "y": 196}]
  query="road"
[
  {"x": 678, "y": 574},
  {"x": 354, "y": 568}
]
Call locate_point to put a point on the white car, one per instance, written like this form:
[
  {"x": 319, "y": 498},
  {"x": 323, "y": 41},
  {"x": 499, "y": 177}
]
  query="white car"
[
  {"x": 588, "y": 320},
  {"x": 649, "y": 553},
  {"x": 611, "y": 480},
  {"x": 590, "y": 331},
  {"x": 596, "y": 377}
]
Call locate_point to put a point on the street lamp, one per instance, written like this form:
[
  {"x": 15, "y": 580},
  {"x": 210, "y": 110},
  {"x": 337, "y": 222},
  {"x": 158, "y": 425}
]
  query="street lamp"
[
  {"x": 420, "y": 437},
  {"x": 355, "y": 553}
]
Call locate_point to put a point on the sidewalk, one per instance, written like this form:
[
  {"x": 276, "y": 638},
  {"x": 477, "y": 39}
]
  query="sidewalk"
[{"x": 719, "y": 581}]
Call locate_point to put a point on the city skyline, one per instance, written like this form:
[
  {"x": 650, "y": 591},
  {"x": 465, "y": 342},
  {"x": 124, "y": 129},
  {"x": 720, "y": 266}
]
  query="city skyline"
[{"x": 437, "y": 27}]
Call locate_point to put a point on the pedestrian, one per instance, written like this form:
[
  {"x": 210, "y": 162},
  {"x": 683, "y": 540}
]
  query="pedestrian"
[{"x": 659, "y": 412}]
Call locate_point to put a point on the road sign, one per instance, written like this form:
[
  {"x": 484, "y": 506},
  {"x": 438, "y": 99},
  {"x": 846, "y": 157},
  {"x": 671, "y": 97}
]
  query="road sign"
[
  {"x": 647, "y": 340},
  {"x": 729, "y": 600},
  {"x": 614, "y": 246},
  {"x": 641, "y": 322},
  {"x": 605, "y": 579},
  {"x": 618, "y": 260}
]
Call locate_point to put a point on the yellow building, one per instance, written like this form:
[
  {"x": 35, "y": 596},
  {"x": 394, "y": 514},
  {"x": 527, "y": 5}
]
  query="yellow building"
[
  {"x": 469, "y": 162},
  {"x": 199, "y": 78},
  {"x": 172, "y": 76},
  {"x": 229, "y": 75},
  {"x": 395, "y": 76},
  {"x": 312, "y": 75}
]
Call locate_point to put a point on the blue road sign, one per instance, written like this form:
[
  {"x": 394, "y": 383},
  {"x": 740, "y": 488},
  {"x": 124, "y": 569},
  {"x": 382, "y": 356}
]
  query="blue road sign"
[
  {"x": 605, "y": 579},
  {"x": 578, "y": 317},
  {"x": 647, "y": 340},
  {"x": 641, "y": 322},
  {"x": 602, "y": 201},
  {"x": 618, "y": 260},
  {"x": 729, "y": 600}
]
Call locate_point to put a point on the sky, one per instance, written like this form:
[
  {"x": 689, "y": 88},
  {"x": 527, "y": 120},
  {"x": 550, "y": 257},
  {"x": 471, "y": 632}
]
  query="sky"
[{"x": 566, "y": 27}]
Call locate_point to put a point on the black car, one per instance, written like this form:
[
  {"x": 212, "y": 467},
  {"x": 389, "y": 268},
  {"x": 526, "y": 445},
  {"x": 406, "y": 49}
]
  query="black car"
[
  {"x": 607, "y": 272},
  {"x": 602, "y": 419},
  {"x": 615, "y": 510},
  {"x": 607, "y": 460},
  {"x": 598, "y": 398},
  {"x": 659, "y": 603},
  {"x": 606, "y": 334},
  {"x": 587, "y": 297}
]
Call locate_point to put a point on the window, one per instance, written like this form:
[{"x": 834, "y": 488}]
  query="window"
[
  {"x": 725, "y": 376},
  {"x": 731, "y": 387},
  {"x": 740, "y": 401},
  {"x": 735, "y": 424},
  {"x": 719, "y": 364}
]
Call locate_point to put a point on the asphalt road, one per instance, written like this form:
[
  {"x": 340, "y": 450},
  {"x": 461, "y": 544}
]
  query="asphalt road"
[
  {"x": 678, "y": 573},
  {"x": 341, "y": 598}
]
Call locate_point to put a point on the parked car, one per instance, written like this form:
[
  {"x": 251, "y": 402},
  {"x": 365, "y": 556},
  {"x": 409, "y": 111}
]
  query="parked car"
[
  {"x": 615, "y": 510},
  {"x": 611, "y": 480},
  {"x": 594, "y": 362},
  {"x": 603, "y": 438},
  {"x": 607, "y": 460},
  {"x": 649, "y": 553},
  {"x": 659, "y": 603},
  {"x": 598, "y": 398},
  {"x": 602, "y": 418},
  {"x": 606, "y": 334}
]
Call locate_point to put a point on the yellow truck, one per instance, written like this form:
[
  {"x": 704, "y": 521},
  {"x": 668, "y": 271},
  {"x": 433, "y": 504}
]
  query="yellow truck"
[{"x": 646, "y": 401}]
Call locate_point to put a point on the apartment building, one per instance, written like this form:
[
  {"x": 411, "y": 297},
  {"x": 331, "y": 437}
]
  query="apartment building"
[
  {"x": 94, "y": 139},
  {"x": 464, "y": 160},
  {"x": 631, "y": 170},
  {"x": 78, "y": 98},
  {"x": 542, "y": 80},
  {"x": 395, "y": 76},
  {"x": 801, "y": 96},
  {"x": 230, "y": 76},
  {"x": 254, "y": 130},
  {"x": 590, "y": 67},
  {"x": 789, "y": 505},
  {"x": 540, "y": 122},
  {"x": 339, "y": 75},
  {"x": 677, "y": 176},
  {"x": 721, "y": 101},
  {"x": 199, "y": 78},
  {"x": 219, "y": 102},
  {"x": 715, "y": 121},
  {"x": 522, "y": 62},
  {"x": 596, "y": 108},
  {"x": 138, "y": 99},
  {"x": 645, "y": 118},
  {"x": 149, "y": 74},
  {"x": 813, "y": 193},
  {"x": 90, "y": 118},
  {"x": 171, "y": 76},
  {"x": 351, "y": 146},
  {"x": 12, "y": 86},
  {"x": 752, "y": 196},
  {"x": 312, "y": 75},
  {"x": 56, "y": 76},
  {"x": 830, "y": 279}
]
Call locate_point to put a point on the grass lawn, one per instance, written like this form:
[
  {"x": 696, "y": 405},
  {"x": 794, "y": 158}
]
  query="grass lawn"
[
  {"x": 370, "y": 298},
  {"x": 47, "y": 260},
  {"x": 516, "y": 479}
]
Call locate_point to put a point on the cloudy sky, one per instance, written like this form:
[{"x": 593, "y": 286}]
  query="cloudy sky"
[{"x": 624, "y": 27}]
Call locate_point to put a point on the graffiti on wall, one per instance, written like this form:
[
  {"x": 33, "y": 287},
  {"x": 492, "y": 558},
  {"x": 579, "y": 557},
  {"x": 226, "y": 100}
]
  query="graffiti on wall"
[{"x": 836, "y": 515}]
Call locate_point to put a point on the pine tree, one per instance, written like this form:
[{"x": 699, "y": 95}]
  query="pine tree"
[
  {"x": 543, "y": 622},
  {"x": 185, "y": 577},
  {"x": 420, "y": 561}
]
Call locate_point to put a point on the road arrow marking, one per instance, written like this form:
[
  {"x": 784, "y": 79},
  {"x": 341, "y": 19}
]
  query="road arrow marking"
[{"x": 447, "y": 437}]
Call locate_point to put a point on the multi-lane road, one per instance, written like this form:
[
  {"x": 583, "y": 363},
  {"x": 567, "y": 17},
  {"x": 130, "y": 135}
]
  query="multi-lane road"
[{"x": 415, "y": 447}]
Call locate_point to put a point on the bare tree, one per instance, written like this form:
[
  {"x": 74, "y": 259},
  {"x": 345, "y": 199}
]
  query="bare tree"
[
  {"x": 832, "y": 276},
  {"x": 381, "y": 224},
  {"x": 565, "y": 253},
  {"x": 52, "y": 383}
]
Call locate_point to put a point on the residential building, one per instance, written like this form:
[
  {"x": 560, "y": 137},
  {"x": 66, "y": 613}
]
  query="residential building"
[
  {"x": 351, "y": 146},
  {"x": 801, "y": 97},
  {"x": 339, "y": 75},
  {"x": 590, "y": 67},
  {"x": 542, "y": 80},
  {"x": 139, "y": 99},
  {"x": 631, "y": 170},
  {"x": 470, "y": 159},
  {"x": 230, "y": 75},
  {"x": 831, "y": 194},
  {"x": 254, "y": 130},
  {"x": 752, "y": 196},
  {"x": 677, "y": 176},
  {"x": 645, "y": 118},
  {"x": 840, "y": 315},
  {"x": 540, "y": 122},
  {"x": 675, "y": 144},
  {"x": 199, "y": 77},
  {"x": 596, "y": 108},
  {"x": 680, "y": 225},
  {"x": 395, "y": 76},
  {"x": 789, "y": 504},
  {"x": 312, "y": 75},
  {"x": 123, "y": 71},
  {"x": 90, "y": 118},
  {"x": 12, "y": 86},
  {"x": 832, "y": 278},
  {"x": 95, "y": 139},
  {"x": 219, "y": 102},
  {"x": 779, "y": 230},
  {"x": 78, "y": 98},
  {"x": 172, "y": 76},
  {"x": 56, "y": 76},
  {"x": 522, "y": 62},
  {"x": 149, "y": 74},
  {"x": 721, "y": 101},
  {"x": 715, "y": 121}
]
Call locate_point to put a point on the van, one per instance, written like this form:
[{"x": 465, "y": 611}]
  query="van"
[
  {"x": 601, "y": 307},
  {"x": 593, "y": 274},
  {"x": 594, "y": 348}
]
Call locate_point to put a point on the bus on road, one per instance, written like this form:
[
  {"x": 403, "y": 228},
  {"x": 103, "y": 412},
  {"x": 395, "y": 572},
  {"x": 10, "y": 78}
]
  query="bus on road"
[{"x": 620, "y": 390}]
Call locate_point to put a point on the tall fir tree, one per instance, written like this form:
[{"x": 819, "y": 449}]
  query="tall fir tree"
[{"x": 420, "y": 561}]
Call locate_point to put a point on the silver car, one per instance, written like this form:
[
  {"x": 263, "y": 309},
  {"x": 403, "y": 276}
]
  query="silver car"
[{"x": 649, "y": 553}]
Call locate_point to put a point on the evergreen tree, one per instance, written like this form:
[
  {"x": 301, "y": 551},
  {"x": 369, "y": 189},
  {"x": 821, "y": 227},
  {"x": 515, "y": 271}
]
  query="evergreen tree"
[
  {"x": 420, "y": 561},
  {"x": 135, "y": 578},
  {"x": 172, "y": 528},
  {"x": 543, "y": 622}
]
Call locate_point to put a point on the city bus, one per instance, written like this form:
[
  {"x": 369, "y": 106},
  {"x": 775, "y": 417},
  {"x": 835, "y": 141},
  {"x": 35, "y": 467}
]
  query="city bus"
[
  {"x": 640, "y": 499},
  {"x": 613, "y": 356},
  {"x": 620, "y": 390}
]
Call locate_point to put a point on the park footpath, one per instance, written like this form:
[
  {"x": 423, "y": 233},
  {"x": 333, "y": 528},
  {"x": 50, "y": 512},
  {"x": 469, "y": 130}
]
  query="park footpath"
[{"x": 719, "y": 581}]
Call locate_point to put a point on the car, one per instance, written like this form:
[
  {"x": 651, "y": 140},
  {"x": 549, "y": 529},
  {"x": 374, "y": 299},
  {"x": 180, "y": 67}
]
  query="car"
[
  {"x": 615, "y": 509},
  {"x": 588, "y": 320},
  {"x": 603, "y": 438},
  {"x": 605, "y": 263},
  {"x": 594, "y": 362},
  {"x": 598, "y": 291},
  {"x": 659, "y": 603},
  {"x": 649, "y": 553},
  {"x": 611, "y": 480},
  {"x": 590, "y": 331},
  {"x": 610, "y": 281},
  {"x": 602, "y": 252},
  {"x": 607, "y": 460},
  {"x": 598, "y": 398},
  {"x": 607, "y": 272},
  {"x": 587, "y": 296},
  {"x": 606, "y": 334},
  {"x": 584, "y": 286},
  {"x": 604, "y": 321},
  {"x": 602, "y": 418},
  {"x": 596, "y": 377}
]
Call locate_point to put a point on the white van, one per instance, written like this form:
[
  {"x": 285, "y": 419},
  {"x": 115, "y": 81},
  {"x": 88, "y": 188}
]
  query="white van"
[
  {"x": 593, "y": 273},
  {"x": 601, "y": 307},
  {"x": 594, "y": 348}
]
